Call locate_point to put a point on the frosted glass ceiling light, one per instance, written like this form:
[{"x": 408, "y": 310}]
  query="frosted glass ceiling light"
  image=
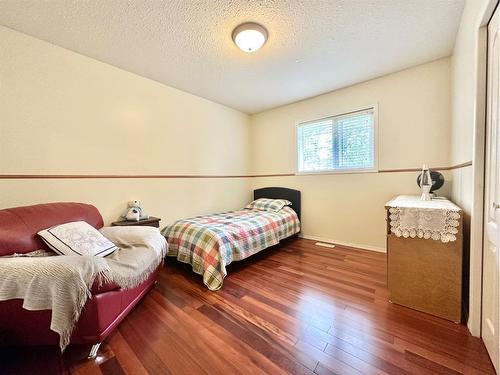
[{"x": 250, "y": 36}]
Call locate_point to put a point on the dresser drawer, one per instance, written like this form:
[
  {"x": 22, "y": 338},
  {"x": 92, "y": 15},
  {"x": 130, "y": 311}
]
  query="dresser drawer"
[{"x": 426, "y": 275}]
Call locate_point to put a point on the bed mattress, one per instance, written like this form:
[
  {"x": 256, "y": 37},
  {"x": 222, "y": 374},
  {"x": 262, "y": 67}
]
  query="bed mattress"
[{"x": 211, "y": 242}]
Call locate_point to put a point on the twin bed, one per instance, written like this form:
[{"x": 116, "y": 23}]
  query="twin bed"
[{"x": 209, "y": 243}]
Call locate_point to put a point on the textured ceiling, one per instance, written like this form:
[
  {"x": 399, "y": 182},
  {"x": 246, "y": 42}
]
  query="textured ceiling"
[{"x": 314, "y": 46}]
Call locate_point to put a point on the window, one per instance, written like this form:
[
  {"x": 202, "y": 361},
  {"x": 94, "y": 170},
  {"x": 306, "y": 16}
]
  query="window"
[{"x": 341, "y": 143}]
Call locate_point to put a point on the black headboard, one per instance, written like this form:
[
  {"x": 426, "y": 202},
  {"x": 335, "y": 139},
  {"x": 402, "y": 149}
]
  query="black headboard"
[{"x": 280, "y": 193}]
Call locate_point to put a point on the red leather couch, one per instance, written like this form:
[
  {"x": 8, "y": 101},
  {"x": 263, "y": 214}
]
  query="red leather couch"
[{"x": 102, "y": 313}]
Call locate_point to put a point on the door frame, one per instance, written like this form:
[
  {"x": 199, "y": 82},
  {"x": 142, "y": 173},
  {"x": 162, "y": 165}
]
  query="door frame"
[{"x": 478, "y": 168}]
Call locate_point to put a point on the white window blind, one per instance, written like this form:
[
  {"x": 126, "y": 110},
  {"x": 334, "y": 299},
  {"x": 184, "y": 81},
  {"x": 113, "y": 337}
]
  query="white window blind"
[{"x": 338, "y": 143}]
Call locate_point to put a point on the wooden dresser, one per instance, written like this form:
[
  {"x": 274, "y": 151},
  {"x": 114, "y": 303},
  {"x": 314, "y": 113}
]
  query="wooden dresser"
[{"x": 424, "y": 273}]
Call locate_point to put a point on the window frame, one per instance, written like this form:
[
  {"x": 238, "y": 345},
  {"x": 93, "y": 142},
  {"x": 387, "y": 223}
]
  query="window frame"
[{"x": 375, "y": 168}]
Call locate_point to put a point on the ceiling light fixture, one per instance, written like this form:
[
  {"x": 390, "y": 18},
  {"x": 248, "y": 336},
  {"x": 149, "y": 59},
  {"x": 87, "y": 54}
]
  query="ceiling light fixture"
[{"x": 250, "y": 36}]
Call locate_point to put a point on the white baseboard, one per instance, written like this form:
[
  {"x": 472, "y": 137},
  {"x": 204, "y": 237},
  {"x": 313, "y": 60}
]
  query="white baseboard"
[{"x": 342, "y": 243}]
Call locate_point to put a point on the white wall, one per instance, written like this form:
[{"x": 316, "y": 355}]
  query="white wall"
[
  {"x": 414, "y": 127},
  {"x": 63, "y": 113}
]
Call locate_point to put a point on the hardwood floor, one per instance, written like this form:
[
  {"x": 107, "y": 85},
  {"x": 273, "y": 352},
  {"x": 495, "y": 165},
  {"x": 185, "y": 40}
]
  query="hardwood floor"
[{"x": 296, "y": 308}]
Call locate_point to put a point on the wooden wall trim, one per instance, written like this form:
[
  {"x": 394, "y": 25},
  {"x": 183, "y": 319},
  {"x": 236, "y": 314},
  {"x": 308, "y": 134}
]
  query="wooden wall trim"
[
  {"x": 457, "y": 166},
  {"x": 109, "y": 176},
  {"x": 124, "y": 176},
  {"x": 173, "y": 176}
]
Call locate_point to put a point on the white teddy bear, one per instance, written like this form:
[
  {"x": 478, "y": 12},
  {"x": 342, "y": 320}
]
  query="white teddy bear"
[{"x": 134, "y": 212}]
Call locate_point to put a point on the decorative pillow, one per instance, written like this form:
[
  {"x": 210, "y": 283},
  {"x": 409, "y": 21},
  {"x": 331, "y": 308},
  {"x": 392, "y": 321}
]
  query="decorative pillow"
[
  {"x": 266, "y": 204},
  {"x": 77, "y": 238}
]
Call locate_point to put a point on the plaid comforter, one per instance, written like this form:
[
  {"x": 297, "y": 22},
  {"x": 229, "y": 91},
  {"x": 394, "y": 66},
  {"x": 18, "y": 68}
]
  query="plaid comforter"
[{"x": 211, "y": 242}]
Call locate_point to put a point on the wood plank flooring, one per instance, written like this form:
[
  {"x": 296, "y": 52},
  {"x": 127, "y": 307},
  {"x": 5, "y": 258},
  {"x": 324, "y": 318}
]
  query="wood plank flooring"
[{"x": 293, "y": 309}]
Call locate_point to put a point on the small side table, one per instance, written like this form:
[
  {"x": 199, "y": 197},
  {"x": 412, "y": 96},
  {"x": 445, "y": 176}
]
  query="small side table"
[{"x": 151, "y": 222}]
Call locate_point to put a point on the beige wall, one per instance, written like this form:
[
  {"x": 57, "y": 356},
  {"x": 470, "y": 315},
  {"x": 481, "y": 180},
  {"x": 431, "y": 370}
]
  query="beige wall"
[
  {"x": 86, "y": 117},
  {"x": 463, "y": 71},
  {"x": 63, "y": 113},
  {"x": 467, "y": 142},
  {"x": 414, "y": 127}
]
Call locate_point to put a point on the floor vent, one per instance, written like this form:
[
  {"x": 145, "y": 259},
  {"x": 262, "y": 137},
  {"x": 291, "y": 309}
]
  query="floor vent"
[{"x": 324, "y": 244}]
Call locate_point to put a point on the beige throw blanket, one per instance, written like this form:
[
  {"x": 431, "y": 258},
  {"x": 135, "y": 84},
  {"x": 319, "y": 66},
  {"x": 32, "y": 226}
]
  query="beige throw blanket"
[{"x": 62, "y": 283}]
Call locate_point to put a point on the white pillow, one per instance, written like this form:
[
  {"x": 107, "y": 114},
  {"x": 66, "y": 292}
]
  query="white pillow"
[
  {"x": 77, "y": 238},
  {"x": 267, "y": 204}
]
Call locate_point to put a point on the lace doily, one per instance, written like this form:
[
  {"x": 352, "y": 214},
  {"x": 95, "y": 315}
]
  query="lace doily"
[{"x": 437, "y": 219}]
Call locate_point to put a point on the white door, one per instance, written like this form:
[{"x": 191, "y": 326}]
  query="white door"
[{"x": 490, "y": 312}]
